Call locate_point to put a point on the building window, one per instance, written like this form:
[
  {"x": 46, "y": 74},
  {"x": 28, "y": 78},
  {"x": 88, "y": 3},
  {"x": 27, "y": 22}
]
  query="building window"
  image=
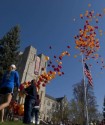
[
  {"x": 44, "y": 101},
  {"x": 58, "y": 106},
  {"x": 48, "y": 103},
  {"x": 48, "y": 111},
  {"x": 53, "y": 105}
]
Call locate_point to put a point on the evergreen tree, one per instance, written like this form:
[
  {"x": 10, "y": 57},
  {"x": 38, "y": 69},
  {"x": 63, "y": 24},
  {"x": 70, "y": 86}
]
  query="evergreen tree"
[{"x": 9, "y": 46}]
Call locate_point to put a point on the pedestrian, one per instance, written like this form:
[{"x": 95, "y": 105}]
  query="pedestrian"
[
  {"x": 31, "y": 95},
  {"x": 9, "y": 80},
  {"x": 91, "y": 123},
  {"x": 35, "y": 110}
]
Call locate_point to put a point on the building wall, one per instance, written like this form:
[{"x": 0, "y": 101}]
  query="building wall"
[
  {"x": 50, "y": 105},
  {"x": 27, "y": 64},
  {"x": 42, "y": 89}
]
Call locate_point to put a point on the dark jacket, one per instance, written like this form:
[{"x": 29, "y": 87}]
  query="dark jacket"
[
  {"x": 37, "y": 102},
  {"x": 31, "y": 92}
]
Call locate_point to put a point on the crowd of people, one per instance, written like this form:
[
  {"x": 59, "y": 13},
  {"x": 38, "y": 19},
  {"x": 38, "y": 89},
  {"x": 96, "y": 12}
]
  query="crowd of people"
[{"x": 68, "y": 122}]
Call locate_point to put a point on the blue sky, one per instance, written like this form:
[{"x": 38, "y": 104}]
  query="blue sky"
[{"x": 45, "y": 23}]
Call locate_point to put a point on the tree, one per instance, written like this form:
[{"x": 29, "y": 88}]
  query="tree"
[
  {"x": 9, "y": 46},
  {"x": 77, "y": 105},
  {"x": 104, "y": 110}
]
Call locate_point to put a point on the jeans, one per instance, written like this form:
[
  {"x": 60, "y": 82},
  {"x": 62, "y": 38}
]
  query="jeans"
[
  {"x": 27, "y": 110},
  {"x": 35, "y": 112}
]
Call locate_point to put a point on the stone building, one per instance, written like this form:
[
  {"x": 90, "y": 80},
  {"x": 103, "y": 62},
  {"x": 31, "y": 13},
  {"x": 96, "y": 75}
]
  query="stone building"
[
  {"x": 29, "y": 67},
  {"x": 52, "y": 105}
]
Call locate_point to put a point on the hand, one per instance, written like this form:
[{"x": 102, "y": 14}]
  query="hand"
[
  {"x": 15, "y": 89},
  {"x": 18, "y": 90},
  {"x": 26, "y": 93}
]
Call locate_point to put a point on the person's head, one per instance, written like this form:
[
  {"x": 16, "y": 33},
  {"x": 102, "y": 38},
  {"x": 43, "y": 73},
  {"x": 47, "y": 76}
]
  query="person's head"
[
  {"x": 12, "y": 67},
  {"x": 33, "y": 81}
]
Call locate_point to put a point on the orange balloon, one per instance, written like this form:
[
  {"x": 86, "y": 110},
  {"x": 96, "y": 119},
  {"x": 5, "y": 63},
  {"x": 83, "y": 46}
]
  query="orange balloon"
[
  {"x": 54, "y": 73},
  {"x": 60, "y": 63},
  {"x": 81, "y": 15},
  {"x": 89, "y": 5},
  {"x": 63, "y": 54},
  {"x": 47, "y": 58},
  {"x": 49, "y": 78},
  {"x": 59, "y": 73},
  {"x": 75, "y": 56}
]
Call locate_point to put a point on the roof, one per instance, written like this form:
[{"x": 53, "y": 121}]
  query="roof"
[
  {"x": 56, "y": 99},
  {"x": 59, "y": 99},
  {"x": 50, "y": 97}
]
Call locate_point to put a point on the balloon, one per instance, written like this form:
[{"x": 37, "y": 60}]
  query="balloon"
[
  {"x": 68, "y": 46},
  {"x": 60, "y": 63},
  {"x": 21, "y": 109},
  {"x": 89, "y": 5},
  {"x": 59, "y": 73},
  {"x": 49, "y": 78},
  {"x": 63, "y": 54},
  {"x": 48, "y": 65},
  {"x": 81, "y": 16},
  {"x": 60, "y": 57},
  {"x": 21, "y": 87},
  {"x": 50, "y": 47},
  {"x": 74, "y": 19},
  {"x": 54, "y": 73},
  {"x": 75, "y": 56},
  {"x": 47, "y": 58},
  {"x": 42, "y": 69},
  {"x": 43, "y": 85}
]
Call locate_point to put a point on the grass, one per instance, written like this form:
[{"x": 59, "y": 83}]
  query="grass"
[{"x": 12, "y": 123}]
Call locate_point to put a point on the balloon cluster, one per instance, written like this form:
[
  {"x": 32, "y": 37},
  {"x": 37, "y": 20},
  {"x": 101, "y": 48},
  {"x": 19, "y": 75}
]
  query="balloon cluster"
[
  {"x": 46, "y": 77},
  {"x": 18, "y": 109},
  {"x": 22, "y": 87},
  {"x": 86, "y": 41},
  {"x": 91, "y": 16}
]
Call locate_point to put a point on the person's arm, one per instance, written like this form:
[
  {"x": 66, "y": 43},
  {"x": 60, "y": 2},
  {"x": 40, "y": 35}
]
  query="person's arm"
[{"x": 28, "y": 89}]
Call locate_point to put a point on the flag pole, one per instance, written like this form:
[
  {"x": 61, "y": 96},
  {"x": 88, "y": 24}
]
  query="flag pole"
[{"x": 85, "y": 98}]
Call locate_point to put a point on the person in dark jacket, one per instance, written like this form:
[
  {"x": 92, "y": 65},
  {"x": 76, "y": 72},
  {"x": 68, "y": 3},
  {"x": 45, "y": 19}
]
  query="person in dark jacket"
[
  {"x": 31, "y": 95},
  {"x": 10, "y": 79},
  {"x": 35, "y": 110}
]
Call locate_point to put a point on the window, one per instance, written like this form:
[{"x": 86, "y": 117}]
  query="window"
[
  {"x": 48, "y": 103},
  {"x": 53, "y": 105}
]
